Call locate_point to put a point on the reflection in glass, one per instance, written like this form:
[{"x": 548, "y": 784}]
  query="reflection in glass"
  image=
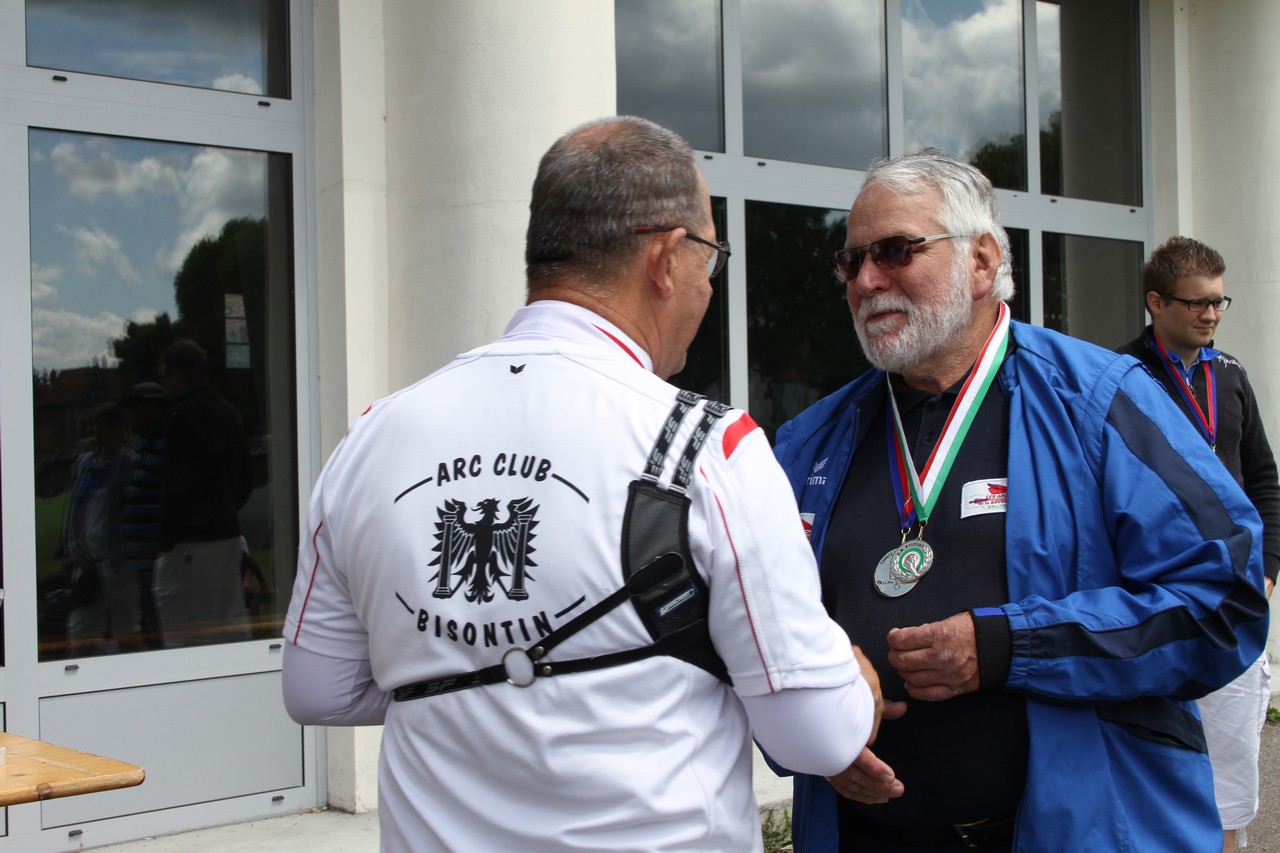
[
  {"x": 669, "y": 61},
  {"x": 800, "y": 338},
  {"x": 963, "y": 85},
  {"x": 1019, "y": 243},
  {"x": 1091, "y": 288},
  {"x": 229, "y": 45},
  {"x": 147, "y": 449},
  {"x": 1090, "y": 134},
  {"x": 813, "y": 81},
  {"x": 706, "y": 370}
]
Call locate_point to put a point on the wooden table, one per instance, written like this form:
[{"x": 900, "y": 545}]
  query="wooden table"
[{"x": 35, "y": 770}]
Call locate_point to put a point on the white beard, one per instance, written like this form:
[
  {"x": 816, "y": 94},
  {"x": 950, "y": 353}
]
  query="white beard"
[{"x": 928, "y": 329}]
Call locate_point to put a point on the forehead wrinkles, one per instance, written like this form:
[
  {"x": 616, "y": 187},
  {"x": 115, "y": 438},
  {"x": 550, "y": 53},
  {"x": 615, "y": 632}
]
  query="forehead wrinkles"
[{"x": 880, "y": 212}]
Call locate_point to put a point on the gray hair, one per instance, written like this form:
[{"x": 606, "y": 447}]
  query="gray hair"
[
  {"x": 968, "y": 201},
  {"x": 594, "y": 186}
]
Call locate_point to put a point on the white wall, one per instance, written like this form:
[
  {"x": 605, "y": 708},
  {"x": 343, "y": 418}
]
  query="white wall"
[
  {"x": 1233, "y": 74},
  {"x": 476, "y": 92}
]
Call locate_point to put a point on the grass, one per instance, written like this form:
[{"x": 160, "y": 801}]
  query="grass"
[
  {"x": 776, "y": 827},
  {"x": 1273, "y": 716}
]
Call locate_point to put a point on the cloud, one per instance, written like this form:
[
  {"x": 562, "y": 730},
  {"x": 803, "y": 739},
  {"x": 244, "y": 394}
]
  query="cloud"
[
  {"x": 61, "y": 339},
  {"x": 94, "y": 168},
  {"x": 823, "y": 103},
  {"x": 96, "y": 251},
  {"x": 238, "y": 83},
  {"x": 964, "y": 81},
  {"x": 205, "y": 41},
  {"x": 219, "y": 185}
]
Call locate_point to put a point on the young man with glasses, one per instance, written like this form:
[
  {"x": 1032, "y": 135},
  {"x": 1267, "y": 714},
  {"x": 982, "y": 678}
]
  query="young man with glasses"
[
  {"x": 1065, "y": 565},
  {"x": 1183, "y": 284},
  {"x": 584, "y": 589}
]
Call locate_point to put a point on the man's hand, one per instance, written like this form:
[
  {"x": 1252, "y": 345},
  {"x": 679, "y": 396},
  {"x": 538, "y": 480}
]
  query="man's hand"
[
  {"x": 937, "y": 660},
  {"x": 868, "y": 779},
  {"x": 892, "y": 710},
  {"x": 1269, "y": 585}
]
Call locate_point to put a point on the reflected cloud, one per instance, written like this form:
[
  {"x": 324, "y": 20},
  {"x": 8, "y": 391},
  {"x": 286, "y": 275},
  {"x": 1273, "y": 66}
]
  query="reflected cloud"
[
  {"x": 963, "y": 80},
  {"x": 115, "y": 220},
  {"x": 96, "y": 251},
  {"x": 219, "y": 186},
  {"x": 62, "y": 339},
  {"x": 238, "y": 83},
  {"x": 203, "y": 41},
  {"x": 825, "y": 103},
  {"x": 94, "y": 168}
]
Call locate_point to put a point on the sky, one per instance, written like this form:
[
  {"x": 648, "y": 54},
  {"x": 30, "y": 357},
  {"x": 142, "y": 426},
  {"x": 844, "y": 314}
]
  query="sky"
[
  {"x": 213, "y": 44},
  {"x": 111, "y": 221},
  {"x": 813, "y": 79},
  {"x": 112, "y": 218}
]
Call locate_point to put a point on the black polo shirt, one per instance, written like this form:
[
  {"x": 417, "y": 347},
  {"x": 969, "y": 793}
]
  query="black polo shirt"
[{"x": 963, "y": 759}]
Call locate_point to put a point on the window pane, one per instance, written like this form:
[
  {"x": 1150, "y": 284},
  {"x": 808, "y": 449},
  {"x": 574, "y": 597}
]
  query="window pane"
[
  {"x": 1091, "y": 288},
  {"x": 1090, "y": 133},
  {"x": 706, "y": 370},
  {"x": 668, "y": 54},
  {"x": 800, "y": 338},
  {"x": 813, "y": 81},
  {"x": 165, "y": 506},
  {"x": 1019, "y": 242},
  {"x": 230, "y": 45},
  {"x": 962, "y": 84}
]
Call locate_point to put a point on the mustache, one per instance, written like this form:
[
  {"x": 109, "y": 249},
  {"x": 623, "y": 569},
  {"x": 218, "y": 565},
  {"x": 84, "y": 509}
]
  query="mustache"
[{"x": 884, "y": 302}]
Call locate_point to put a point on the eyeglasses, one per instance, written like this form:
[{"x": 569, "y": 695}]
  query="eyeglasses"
[
  {"x": 1199, "y": 306},
  {"x": 888, "y": 253},
  {"x": 715, "y": 261}
]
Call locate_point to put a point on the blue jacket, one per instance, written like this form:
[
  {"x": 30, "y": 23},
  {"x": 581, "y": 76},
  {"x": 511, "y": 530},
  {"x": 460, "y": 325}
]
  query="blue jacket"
[{"x": 1135, "y": 571}]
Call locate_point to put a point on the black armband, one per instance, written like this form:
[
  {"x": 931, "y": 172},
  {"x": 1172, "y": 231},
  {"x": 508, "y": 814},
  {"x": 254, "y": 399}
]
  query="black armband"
[{"x": 995, "y": 646}]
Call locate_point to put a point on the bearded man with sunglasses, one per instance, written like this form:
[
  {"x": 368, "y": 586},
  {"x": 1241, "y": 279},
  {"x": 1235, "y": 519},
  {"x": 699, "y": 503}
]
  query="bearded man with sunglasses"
[
  {"x": 1043, "y": 560},
  {"x": 1183, "y": 285}
]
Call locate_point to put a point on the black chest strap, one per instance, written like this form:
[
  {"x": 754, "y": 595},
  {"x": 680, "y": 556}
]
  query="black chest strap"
[{"x": 658, "y": 573}]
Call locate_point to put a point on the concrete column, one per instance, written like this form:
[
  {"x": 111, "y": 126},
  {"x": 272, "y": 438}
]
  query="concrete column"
[
  {"x": 430, "y": 118},
  {"x": 352, "y": 282},
  {"x": 476, "y": 92},
  {"x": 1234, "y": 74}
]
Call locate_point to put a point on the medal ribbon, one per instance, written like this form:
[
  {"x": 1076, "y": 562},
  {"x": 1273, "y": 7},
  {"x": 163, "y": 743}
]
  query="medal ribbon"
[
  {"x": 1208, "y": 423},
  {"x": 924, "y": 493}
]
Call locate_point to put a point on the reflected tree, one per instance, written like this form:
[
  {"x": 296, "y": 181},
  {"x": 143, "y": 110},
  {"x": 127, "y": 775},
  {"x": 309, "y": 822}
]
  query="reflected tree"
[
  {"x": 232, "y": 264},
  {"x": 800, "y": 336}
]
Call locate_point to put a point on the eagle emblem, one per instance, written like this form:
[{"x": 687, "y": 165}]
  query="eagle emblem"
[{"x": 481, "y": 554}]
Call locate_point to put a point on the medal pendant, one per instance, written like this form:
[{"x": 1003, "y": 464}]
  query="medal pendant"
[{"x": 900, "y": 569}]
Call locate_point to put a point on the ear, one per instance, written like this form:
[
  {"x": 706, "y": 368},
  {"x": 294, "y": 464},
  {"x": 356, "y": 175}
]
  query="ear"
[
  {"x": 985, "y": 257},
  {"x": 1154, "y": 303},
  {"x": 660, "y": 261}
]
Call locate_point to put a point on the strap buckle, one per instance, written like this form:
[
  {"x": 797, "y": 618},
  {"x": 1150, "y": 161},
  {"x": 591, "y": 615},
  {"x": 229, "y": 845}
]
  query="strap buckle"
[{"x": 520, "y": 671}]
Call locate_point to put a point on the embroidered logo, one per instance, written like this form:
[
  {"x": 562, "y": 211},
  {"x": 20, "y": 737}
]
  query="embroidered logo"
[
  {"x": 980, "y": 497},
  {"x": 806, "y": 521},
  {"x": 482, "y": 555}
]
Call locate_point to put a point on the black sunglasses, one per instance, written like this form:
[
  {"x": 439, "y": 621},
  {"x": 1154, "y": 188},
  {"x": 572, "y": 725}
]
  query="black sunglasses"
[
  {"x": 887, "y": 253},
  {"x": 715, "y": 261}
]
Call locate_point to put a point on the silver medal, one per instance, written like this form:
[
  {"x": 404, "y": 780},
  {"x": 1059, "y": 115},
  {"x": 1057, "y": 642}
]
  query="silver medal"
[{"x": 898, "y": 571}]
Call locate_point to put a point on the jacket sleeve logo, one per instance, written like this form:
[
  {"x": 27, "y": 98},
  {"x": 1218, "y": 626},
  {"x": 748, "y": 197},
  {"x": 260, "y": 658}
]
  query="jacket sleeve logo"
[{"x": 482, "y": 554}]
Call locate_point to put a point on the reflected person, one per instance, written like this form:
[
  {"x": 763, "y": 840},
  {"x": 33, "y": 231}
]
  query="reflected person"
[
  {"x": 108, "y": 607},
  {"x": 204, "y": 481}
]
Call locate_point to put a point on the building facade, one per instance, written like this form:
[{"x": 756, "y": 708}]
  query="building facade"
[{"x": 330, "y": 198}]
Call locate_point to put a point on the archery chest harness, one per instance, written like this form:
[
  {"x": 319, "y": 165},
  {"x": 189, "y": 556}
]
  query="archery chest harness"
[{"x": 659, "y": 578}]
